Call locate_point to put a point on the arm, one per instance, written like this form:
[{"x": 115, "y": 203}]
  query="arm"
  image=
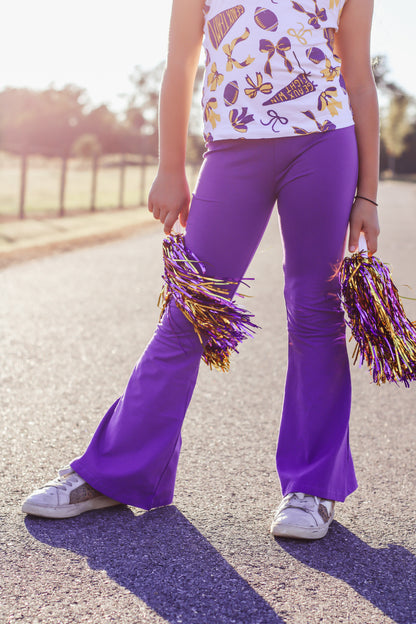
[
  {"x": 169, "y": 196},
  {"x": 352, "y": 45}
]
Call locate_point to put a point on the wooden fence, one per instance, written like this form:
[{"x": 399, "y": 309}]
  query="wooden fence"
[{"x": 33, "y": 185}]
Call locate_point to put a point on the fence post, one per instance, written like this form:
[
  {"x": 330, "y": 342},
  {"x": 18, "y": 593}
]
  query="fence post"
[
  {"x": 63, "y": 186},
  {"x": 23, "y": 175},
  {"x": 94, "y": 182},
  {"x": 142, "y": 194},
  {"x": 122, "y": 181}
]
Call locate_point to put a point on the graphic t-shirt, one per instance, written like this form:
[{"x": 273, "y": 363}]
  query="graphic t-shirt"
[{"x": 271, "y": 70}]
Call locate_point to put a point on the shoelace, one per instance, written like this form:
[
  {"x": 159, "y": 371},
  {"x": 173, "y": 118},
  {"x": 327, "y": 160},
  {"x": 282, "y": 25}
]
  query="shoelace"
[
  {"x": 61, "y": 482},
  {"x": 303, "y": 499},
  {"x": 297, "y": 499}
]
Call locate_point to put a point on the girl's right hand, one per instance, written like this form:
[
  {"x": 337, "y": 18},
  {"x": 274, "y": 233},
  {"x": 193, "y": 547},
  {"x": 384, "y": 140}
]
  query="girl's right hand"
[
  {"x": 363, "y": 218},
  {"x": 169, "y": 199}
]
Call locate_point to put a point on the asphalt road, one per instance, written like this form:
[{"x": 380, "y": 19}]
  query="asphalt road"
[{"x": 72, "y": 328}]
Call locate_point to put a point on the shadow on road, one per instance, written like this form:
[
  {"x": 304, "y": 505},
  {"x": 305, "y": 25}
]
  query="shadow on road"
[
  {"x": 386, "y": 577},
  {"x": 164, "y": 560}
]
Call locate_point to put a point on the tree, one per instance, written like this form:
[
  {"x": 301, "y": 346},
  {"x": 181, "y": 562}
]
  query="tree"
[
  {"x": 396, "y": 125},
  {"x": 49, "y": 123},
  {"x": 395, "y": 128},
  {"x": 142, "y": 113},
  {"x": 143, "y": 104},
  {"x": 41, "y": 122},
  {"x": 407, "y": 162},
  {"x": 107, "y": 128}
]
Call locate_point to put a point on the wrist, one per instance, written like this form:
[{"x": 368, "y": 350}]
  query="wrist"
[
  {"x": 172, "y": 168},
  {"x": 367, "y": 199},
  {"x": 367, "y": 187},
  {"x": 368, "y": 193}
]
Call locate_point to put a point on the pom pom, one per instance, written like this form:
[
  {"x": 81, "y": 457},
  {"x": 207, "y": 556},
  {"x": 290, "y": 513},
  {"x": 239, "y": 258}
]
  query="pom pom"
[
  {"x": 219, "y": 323},
  {"x": 385, "y": 337}
]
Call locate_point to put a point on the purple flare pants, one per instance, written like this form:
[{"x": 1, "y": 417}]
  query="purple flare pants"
[{"x": 133, "y": 455}]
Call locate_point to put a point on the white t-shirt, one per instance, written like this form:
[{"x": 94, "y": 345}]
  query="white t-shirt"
[{"x": 271, "y": 70}]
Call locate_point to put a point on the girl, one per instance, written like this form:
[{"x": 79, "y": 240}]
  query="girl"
[{"x": 290, "y": 114}]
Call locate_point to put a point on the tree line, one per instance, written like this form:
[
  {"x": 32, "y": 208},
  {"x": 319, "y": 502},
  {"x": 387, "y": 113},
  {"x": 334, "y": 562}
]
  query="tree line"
[{"x": 60, "y": 122}]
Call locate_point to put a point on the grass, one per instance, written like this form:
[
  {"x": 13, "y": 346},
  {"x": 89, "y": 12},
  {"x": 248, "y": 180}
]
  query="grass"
[{"x": 43, "y": 184}]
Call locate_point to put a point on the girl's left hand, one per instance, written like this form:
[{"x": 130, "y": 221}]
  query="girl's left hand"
[{"x": 364, "y": 218}]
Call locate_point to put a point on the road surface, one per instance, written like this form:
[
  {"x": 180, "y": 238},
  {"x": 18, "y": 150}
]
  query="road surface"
[{"x": 73, "y": 325}]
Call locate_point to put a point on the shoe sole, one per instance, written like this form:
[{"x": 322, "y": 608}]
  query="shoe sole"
[
  {"x": 298, "y": 532},
  {"x": 68, "y": 511}
]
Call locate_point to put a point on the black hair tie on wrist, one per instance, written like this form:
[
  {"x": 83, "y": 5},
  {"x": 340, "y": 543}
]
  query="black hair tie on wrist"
[{"x": 366, "y": 198}]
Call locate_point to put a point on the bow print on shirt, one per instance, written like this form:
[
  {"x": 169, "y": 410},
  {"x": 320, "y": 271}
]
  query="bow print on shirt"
[
  {"x": 209, "y": 112},
  {"x": 260, "y": 87},
  {"x": 327, "y": 100},
  {"x": 283, "y": 45},
  {"x": 330, "y": 72},
  {"x": 314, "y": 18},
  {"x": 229, "y": 49},
  {"x": 214, "y": 78},
  {"x": 300, "y": 34},
  {"x": 324, "y": 127}
]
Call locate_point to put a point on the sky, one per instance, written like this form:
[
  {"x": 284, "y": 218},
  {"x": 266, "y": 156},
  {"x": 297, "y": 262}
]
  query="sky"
[{"x": 97, "y": 43}]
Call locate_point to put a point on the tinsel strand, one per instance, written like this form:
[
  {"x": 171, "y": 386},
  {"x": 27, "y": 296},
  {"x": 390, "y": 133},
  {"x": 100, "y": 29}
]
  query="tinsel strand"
[
  {"x": 386, "y": 339},
  {"x": 219, "y": 323}
]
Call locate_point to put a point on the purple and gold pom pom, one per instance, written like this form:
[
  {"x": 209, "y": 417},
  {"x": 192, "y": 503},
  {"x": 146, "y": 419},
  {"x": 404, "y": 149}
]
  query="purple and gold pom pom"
[
  {"x": 385, "y": 337},
  {"x": 219, "y": 323}
]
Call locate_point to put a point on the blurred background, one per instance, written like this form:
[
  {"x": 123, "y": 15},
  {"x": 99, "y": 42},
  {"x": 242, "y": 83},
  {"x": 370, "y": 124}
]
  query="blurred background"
[{"x": 79, "y": 87}]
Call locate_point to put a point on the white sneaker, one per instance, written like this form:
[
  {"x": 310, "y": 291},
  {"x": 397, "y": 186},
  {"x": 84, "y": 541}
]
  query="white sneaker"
[
  {"x": 303, "y": 516},
  {"x": 66, "y": 496}
]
